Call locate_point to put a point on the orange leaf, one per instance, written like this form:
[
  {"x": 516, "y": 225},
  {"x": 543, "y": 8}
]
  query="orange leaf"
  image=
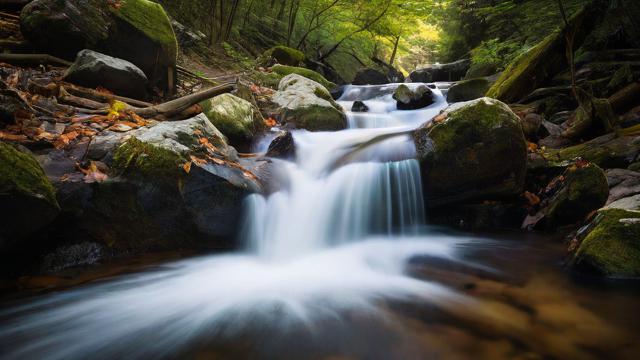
[
  {"x": 187, "y": 167},
  {"x": 270, "y": 122}
]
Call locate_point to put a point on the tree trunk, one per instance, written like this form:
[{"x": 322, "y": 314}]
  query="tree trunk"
[{"x": 395, "y": 51}]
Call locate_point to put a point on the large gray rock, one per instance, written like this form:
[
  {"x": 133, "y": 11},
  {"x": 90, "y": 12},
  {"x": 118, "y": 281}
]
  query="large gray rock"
[
  {"x": 308, "y": 105},
  {"x": 474, "y": 150},
  {"x": 441, "y": 72},
  {"x": 93, "y": 69},
  {"x": 138, "y": 31}
]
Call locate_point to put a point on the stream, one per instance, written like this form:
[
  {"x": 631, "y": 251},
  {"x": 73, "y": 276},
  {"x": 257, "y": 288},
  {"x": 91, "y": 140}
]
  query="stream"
[{"x": 339, "y": 264}]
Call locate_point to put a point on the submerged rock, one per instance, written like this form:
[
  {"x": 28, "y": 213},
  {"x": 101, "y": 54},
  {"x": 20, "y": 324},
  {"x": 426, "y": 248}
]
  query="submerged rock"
[
  {"x": 282, "y": 146},
  {"x": 308, "y": 105},
  {"x": 359, "y": 106},
  {"x": 370, "y": 76},
  {"x": 138, "y": 31},
  {"x": 92, "y": 69},
  {"x": 467, "y": 90},
  {"x": 612, "y": 245},
  {"x": 236, "y": 118},
  {"x": 474, "y": 150},
  {"x": 441, "y": 72},
  {"x": 409, "y": 99},
  {"x": 27, "y": 198}
]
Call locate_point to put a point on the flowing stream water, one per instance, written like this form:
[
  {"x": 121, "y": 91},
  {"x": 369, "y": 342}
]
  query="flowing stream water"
[{"x": 337, "y": 264}]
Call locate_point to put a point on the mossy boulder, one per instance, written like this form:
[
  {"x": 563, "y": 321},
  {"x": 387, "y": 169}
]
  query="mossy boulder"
[
  {"x": 612, "y": 245},
  {"x": 413, "y": 99},
  {"x": 543, "y": 61},
  {"x": 467, "y": 90},
  {"x": 473, "y": 150},
  {"x": 607, "y": 151},
  {"x": 27, "y": 198},
  {"x": 236, "y": 118},
  {"x": 308, "y": 105},
  {"x": 283, "y": 71},
  {"x": 138, "y": 31},
  {"x": 581, "y": 189},
  {"x": 284, "y": 55}
]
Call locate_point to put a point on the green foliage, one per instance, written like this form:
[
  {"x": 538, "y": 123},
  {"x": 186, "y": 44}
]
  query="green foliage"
[{"x": 496, "y": 53}]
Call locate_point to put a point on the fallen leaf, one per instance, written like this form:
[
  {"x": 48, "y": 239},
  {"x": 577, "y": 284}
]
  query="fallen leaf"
[
  {"x": 197, "y": 160},
  {"x": 12, "y": 137},
  {"x": 270, "y": 122},
  {"x": 119, "y": 127},
  {"x": 532, "y": 198},
  {"x": 187, "y": 167}
]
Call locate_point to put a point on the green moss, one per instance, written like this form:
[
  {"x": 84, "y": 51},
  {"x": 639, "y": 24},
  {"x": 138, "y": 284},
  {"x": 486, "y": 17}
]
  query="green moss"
[
  {"x": 233, "y": 116},
  {"x": 309, "y": 74},
  {"x": 612, "y": 247},
  {"x": 270, "y": 80},
  {"x": 606, "y": 152},
  {"x": 21, "y": 172},
  {"x": 285, "y": 55},
  {"x": 151, "y": 19},
  {"x": 317, "y": 118},
  {"x": 137, "y": 158}
]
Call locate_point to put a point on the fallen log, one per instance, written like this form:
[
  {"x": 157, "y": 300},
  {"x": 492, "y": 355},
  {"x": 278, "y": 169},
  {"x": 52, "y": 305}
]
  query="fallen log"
[
  {"x": 73, "y": 100},
  {"x": 103, "y": 98},
  {"x": 175, "y": 107},
  {"x": 31, "y": 59}
]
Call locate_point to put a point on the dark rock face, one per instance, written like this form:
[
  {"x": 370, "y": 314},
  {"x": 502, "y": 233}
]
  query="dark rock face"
[
  {"x": 92, "y": 69},
  {"x": 409, "y": 99},
  {"x": 27, "y": 198},
  {"x": 138, "y": 31},
  {"x": 359, "y": 106},
  {"x": 13, "y": 4},
  {"x": 454, "y": 71},
  {"x": 474, "y": 150},
  {"x": 10, "y": 103},
  {"x": 467, "y": 90},
  {"x": 369, "y": 76},
  {"x": 282, "y": 146}
]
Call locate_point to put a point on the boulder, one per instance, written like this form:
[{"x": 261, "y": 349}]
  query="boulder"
[
  {"x": 611, "y": 245},
  {"x": 467, "y": 90},
  {"x": 607, "y": 151},
  {"x": 283, "y": 70},
  {"x": 571, "y": 196},
  {"x": 413, "y": 99},
  {"x": 359, "y": 106},
  {"x": 370, "y": 76},
  {"x": 236, "y": 118},
  {"x": 308, "y": 105},
  {"x": 283, "y": 55},
  {"x": 454, "y": 71},
  {"x": 138, "y": 31},
  {"x": 282, "y": 146},
  {"x": 187, "y": 37},
  {"x": 473, "y": 150},
  {"x": 92, "y": 69},
  {"x": 27, "y": 198},
  {"x": 622, "y": 183}
]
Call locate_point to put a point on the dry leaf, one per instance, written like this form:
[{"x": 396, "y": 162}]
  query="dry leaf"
[
  {"x": 187, "y": 167},
  {"x": 270, "y": 122}
]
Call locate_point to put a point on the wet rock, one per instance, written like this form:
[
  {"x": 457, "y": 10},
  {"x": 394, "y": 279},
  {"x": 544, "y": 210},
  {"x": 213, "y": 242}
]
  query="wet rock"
[
  {"x": 308, "y": 105},
  {"x": 622, "y": 183},
  {"x": 336, "y": 92},
  {"x": 474, "y": 150},
  {"x": 370, "y": 76},
  {"x": 92, "y": 69},
  {"x": 467, "y": 90},
  {"x": 138, "y": 31},
  {"x": 571, "y": 196},
  {"x": 454, "y": 71},
  {"x": 611, "y": 247},
  {"x": 282, "y": 146},
  {"x": 65, "y": 257},
  {"x": 359, "y": 106},
  {"x": 413, "y": 99},
  {"x": 236, "y": 118},
  {"x": 27, "y": 198}
]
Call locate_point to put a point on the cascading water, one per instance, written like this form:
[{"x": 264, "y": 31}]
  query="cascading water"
[{"x": 333, "y": 241}]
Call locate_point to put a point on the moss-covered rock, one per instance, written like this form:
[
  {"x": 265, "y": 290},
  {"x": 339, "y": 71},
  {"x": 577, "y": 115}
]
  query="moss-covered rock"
[
  {"x": 136, "y": 158},
  {"x": 608, "y": 151},
  {"x": 27, "y": 198},
  {"x": 138, "y": 31},
  {"x": 541, "y": 62},
  {"x": 582, "y": 189},
  {"x": 283, "y": 55},
  {"x": 236, "y": 118},
  {"x": 474, "y": 150},
  {"x": 612, "y": 246},
  {"x": 467, "y": 90},
  {"x": 308, "y": 105},
  {"x": 283, "y": 71}
]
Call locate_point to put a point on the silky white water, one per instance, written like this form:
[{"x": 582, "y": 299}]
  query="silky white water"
[{"x": 334, "y": 240}]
